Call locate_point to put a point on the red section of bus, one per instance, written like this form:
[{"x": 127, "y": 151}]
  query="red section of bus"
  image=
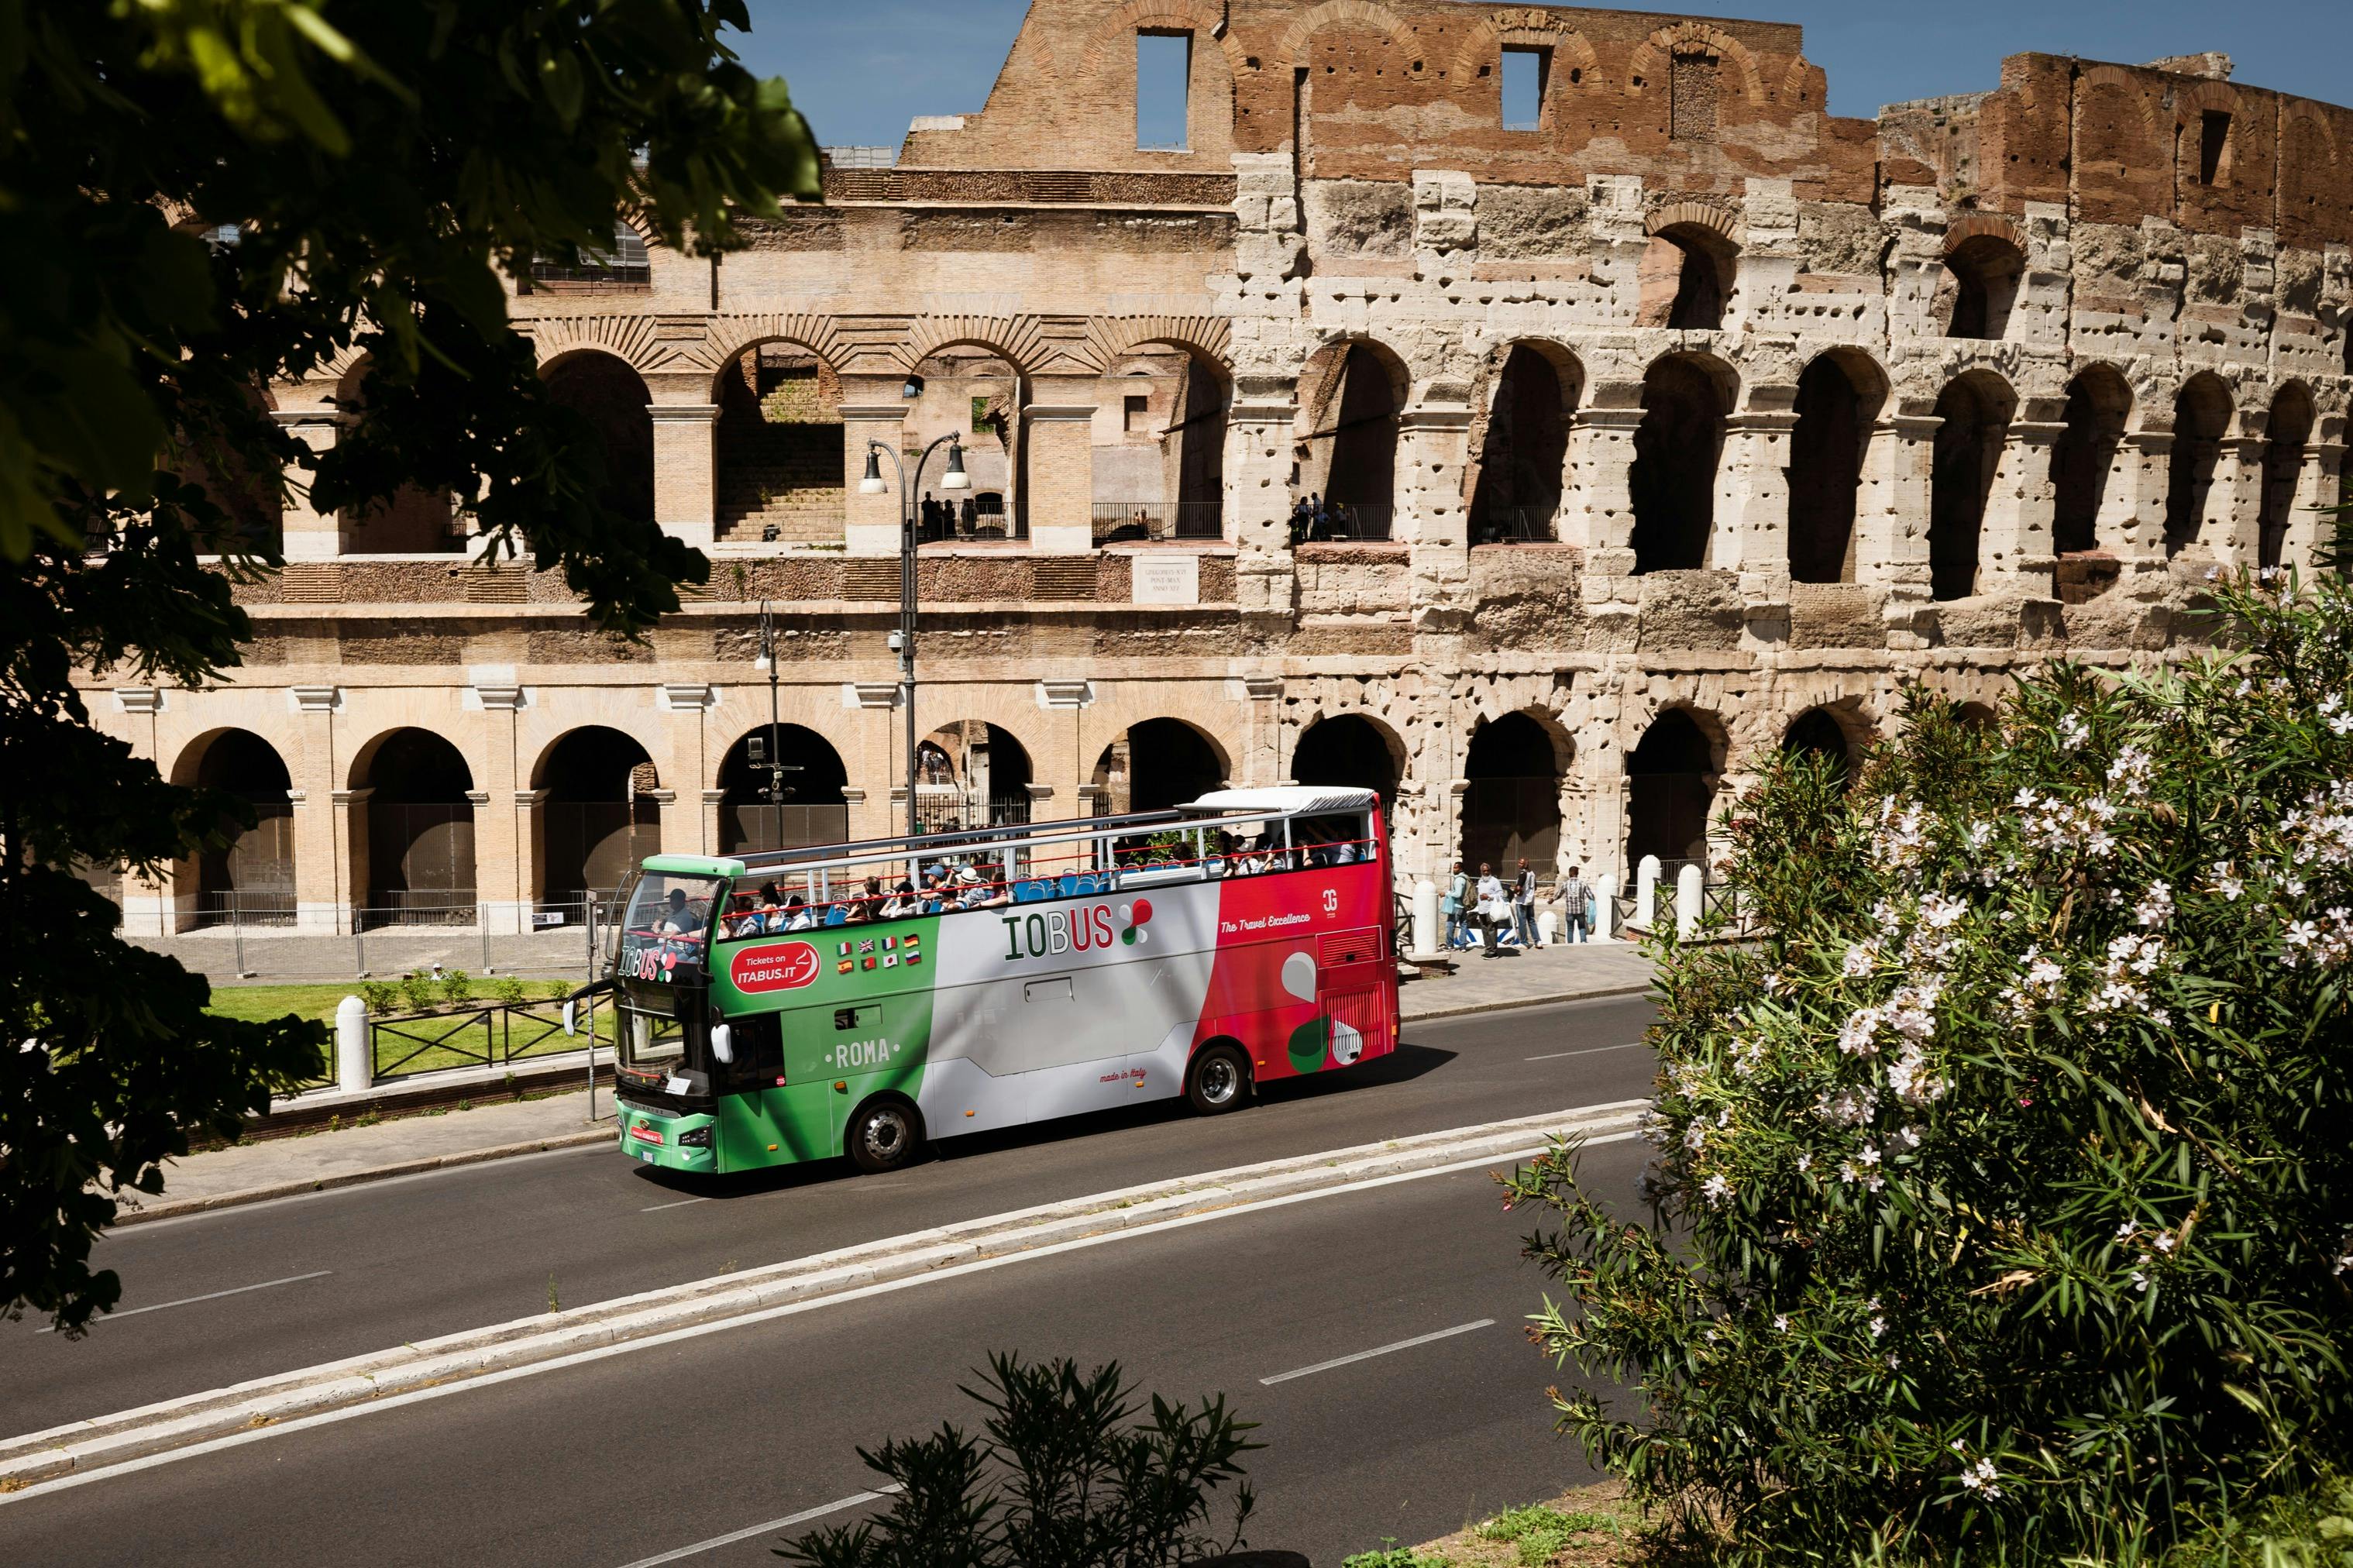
[{"x": 1326, "y": 931}]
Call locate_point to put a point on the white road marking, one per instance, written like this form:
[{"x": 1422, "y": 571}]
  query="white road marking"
[
  {"x": 682, "y": 1203},
  {"x": 1587, "y": 1051},
  {"x": 120, "y": 1233},
  {"x": 1382, "y": 1350},
  {"x": 819, "y": 1511},
  {"x": 210, "y": 1296},
  {"x": 790, "y": 1308}
]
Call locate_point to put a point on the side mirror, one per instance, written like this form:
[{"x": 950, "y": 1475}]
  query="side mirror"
[
  {"x": 570, "y": 1008},
  {"x": 723, "y": 1045}
]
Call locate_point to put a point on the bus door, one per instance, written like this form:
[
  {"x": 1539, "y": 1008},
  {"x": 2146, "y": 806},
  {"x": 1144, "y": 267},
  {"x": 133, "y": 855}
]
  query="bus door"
[{"x": 1351, "y": 987}]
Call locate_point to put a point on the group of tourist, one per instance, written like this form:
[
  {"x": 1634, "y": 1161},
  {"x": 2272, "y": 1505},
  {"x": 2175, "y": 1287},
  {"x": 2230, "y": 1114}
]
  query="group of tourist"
[
  {"x": 1491, "y": 916},
  {"x": 1313, "y": 518},
  {"x": 946, "y": 885},
  {"x": 944, "y": 519}
]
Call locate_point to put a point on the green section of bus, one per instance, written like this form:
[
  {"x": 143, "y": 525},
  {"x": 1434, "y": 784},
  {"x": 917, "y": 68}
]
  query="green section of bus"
[{"x": 694, "y": 865}]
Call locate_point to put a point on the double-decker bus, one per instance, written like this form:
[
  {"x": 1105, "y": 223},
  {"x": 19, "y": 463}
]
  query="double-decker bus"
[{"x": 859, "y": 998}]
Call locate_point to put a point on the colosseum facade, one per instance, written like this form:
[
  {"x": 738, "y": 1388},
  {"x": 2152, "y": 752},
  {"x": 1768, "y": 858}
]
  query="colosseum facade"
[{"x": 1658, "y": 419}]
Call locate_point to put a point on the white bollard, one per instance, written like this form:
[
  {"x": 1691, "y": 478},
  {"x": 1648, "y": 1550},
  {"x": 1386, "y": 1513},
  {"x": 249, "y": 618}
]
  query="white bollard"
[
  {"x": 1688, "y": 894},
  {"x": 354, "y": 1062},
  {"x": 1547, "y": 928},
  {"x": 1646, "y": 892},
  {"x": 1426, "y": 935}
]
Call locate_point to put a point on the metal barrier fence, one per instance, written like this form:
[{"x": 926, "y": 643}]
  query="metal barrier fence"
[
  {"x": 272, "y": 906},
  {"x": 1117, "y": 522},
  {"x": 1343, "y": 522},
  {"x": 1514, "y": 525},
  {"x": 492, "y": 1035}
]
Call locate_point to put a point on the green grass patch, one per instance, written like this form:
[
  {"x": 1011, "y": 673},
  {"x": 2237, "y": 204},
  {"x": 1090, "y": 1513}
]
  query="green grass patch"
[
  {"x": 258, "y": 1004},
  {"x": 1540, "y": 1533}
]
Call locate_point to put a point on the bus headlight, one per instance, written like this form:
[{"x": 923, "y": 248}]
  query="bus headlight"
[{"x": 695, "y": 1138}]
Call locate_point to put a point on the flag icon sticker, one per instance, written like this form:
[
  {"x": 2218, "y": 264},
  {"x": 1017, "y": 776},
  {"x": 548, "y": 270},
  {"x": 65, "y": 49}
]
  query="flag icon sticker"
[
  {"x": 845, "y": 966},
  {"x": 866, "y": 945},
  {"x": 866, "y": 963},
  {"x": 915, "y": 958},
  {"x": 888, "y": 942},
  {"x": 841, "y": 952},
  {"x": 914, "y": 941},
  {"x": 890, "y": 960}
]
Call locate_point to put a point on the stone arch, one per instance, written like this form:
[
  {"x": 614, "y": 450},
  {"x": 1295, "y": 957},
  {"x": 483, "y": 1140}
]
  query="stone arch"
[
  {"x": 1533, "y": 28},
  {"x": 1349, "y": 747},
  {"x": 1974, "y": 410},
  {"x": 1689, "y": 270},
  {"x": 1191, "y": 439},
  {"x": 412, "y": 833},
  {"x": 1513, "y": 768},
  {"x": 250, "y": 880},
  {"x": 634, "y": 340},
  {"x": 725, "y": 337},
  {"x": 1522, "y": 409},
  {"x": 955, "y": 374},
  {"x": 1353, "y": 392},
  {"x": 1822, "y": 730},
  {"x": 1840, "y": 395},
  {"x": 1338, "y": 13},
  {"x": 971, "y": 772},
  {"x": 1202, "y": 19},
  {"x": 1686, "y": 399},
  {"x": 2202, "y": 411},
  {"x": 1650, "y": 55},
  {"x": 1984, "y": 267},
  {"x": 413, "y": 519},
  {"x": 607, "y": 390},
  {"x": 1157, "y": 762},
  {"x": 2285, "y": 431},
  {"x": 780, "y": 463},
  {"x": 1673, "y": 771},
  {"x": 2083, "y": 465},
  {"x": 598, "y": 816},
  {"x": 1111, "y": 339},
  {"x": 814, "y": 810},
  {"x": 1019, "y": 340}
]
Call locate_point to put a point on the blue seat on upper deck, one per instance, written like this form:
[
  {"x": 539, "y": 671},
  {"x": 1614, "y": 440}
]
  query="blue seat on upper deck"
[{"x": 837, "y": 916}]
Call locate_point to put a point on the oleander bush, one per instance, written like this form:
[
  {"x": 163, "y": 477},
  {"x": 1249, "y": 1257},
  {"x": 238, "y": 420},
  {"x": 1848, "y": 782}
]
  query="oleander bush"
[{"x": 2003, "y": 1193}]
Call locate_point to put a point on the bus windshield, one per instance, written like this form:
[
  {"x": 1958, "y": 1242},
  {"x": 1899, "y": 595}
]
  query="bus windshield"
[{"x": 668, "y": 923}]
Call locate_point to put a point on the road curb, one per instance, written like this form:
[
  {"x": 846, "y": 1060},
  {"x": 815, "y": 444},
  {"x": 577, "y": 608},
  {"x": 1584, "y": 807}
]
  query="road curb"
[
  {"x": 182, "y": 1208},
  {"x": 103, "y": 1441},
  {"x": 369, "y": 1174},
  {"x": 1554, "y": 999}
]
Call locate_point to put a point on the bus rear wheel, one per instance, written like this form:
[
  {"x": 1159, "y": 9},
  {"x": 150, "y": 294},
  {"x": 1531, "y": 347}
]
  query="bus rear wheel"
[
  {"x": 1218, "y": 1081},
  {"x": 883, "y": 1136}
]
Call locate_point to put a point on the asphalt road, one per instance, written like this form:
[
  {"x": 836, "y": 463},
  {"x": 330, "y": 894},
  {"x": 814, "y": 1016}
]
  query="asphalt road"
[
  {"x": 641, "y": 1453},
  {"x": 216, "y": 1298}
]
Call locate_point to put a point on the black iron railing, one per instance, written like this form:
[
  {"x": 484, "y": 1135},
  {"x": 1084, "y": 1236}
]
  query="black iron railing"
[
  {"x": 1338, "y": 522},
  {"x": 1514, "y": 525},
  {"x": 1120, "y": 523},
  {"x": 489, "y": 1036}
]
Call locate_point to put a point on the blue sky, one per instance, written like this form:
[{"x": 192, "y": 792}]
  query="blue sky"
[{"x": 859, "y": 70}]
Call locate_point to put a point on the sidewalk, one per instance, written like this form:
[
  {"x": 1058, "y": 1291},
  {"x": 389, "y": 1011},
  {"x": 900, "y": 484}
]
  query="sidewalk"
[{"x": 284, "y": 1167}]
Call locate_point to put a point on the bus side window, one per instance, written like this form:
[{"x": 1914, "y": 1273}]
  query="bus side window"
[{"x": 759, "y": 1045}]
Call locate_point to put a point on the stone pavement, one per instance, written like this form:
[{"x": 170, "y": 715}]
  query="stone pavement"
[{"x": 283, "y": 1167}]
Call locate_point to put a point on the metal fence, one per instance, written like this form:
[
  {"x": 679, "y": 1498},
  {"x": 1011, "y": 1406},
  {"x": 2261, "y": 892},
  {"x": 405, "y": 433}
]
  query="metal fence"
[
  {"x": 1118, "y": 522},
  {"x": 423, "y": 906},
  {"x": 272, "y": 906},
  {"x": 490, "y": 1035},
  {"x": 1514, "y": 525},
  {"x": 941, "y": 810},
  {"x": 1343, "y": 523}
]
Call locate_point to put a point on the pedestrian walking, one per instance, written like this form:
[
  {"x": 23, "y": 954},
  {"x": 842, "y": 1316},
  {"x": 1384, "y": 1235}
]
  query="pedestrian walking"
[
  {"x": 1524, "y": 905},
  {"x": 1494, "y": 909},
  {"x": 1573, "y": 895},
  {"x": 1458, "y": 887}
]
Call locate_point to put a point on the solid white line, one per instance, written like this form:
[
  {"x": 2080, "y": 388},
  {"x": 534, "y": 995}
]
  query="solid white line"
[
  {"x": 157, "y": 1227},
  {"x": 789, "y": 1308},
  {"x": 819, "y": 1511},
  {"x": 1589, "y": 1051},
  {"x": 682, "y": 1203},
  {"x": 210, "y": 1296},
  {"x": 1384, "y": 1349}
]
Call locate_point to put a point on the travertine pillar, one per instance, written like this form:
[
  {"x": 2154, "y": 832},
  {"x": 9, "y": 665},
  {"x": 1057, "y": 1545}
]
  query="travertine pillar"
[
  {"x": 2318, "y": 484},
  {"x": 352, "y": 832},
  {"x": 1900, "y": 564},
  {"x": 1258, "y": 500},
  {"x": 1058, "y": 438},
  {"x": 501, "y": 859},
  {"x": 686, "y": 470},
  {"x": 309, "y": 536},
  {"x": 2234, "y": 504},
  {"x": 1433, "y": 446},
  {"x": 1598, "y": 511},
  {"x": 1751, "y": 508},
  {"x": 322, "y": 888},
  {"x": 2014, "y": 554},
  {"x": 2144, "y": 462},
  {"x": 871, "y": 524},
  {"x": 1882, "y": 492}
]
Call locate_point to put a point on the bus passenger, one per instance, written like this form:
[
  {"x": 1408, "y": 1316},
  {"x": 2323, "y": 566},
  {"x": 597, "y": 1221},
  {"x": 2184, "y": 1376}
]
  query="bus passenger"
[
  {"x": 678, "y": 919},
  {"x": 796, "y": 914}
]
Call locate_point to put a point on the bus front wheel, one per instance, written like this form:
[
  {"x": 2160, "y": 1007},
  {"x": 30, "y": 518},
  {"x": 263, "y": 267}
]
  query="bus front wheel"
[
  {"x": 883, "y": 1136},
  {"x": 1218, "y": 1081}
]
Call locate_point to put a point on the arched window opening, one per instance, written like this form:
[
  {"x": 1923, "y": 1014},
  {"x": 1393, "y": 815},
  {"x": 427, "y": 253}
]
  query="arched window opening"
[
  {"x": 2202, "y": 414},
  {"x": 250, "y": 880},
  {"x": 2285, "y": 434},
  {"x": 419, "y": 844},
  {"x": 1981, "y": 278},
  {"x": 1973, "y": 415},
  {"x": 1817, "y": 733},
  {"x": 1153, "y": 765},
  {"x": 1347, "y": 469},
  {"x": 1826, "y": 448},
  {"x": 2083, "y": 460},
  {"x": 781, "y": 471},
  {"x": 1674, "y": 476},
  {"x": 1668, "y": 788},
  {"x": 414, "y": 521},
  {"x": 976, "y": 395},
  {"x": 971, "y": 774},
  {"x": 1511, "y": 804},
  {"x": 611, "y": 396},
  {"x": 1522, "y": 451},
  {"x": 781, "y": 788},
  {"x": 1350, "y": 750},
  {"x": 598, "y": 820},
  {"x": 1160, "y": 471},
  {"x": 253, "y": 502},
  {"x": 1684, "y": 279}
]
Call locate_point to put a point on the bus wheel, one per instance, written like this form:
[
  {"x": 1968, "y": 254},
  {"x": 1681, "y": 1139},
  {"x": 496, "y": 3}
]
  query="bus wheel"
[
  {"x": 883, "y": 1136},
  {"x": 1218, "y": 1081}
]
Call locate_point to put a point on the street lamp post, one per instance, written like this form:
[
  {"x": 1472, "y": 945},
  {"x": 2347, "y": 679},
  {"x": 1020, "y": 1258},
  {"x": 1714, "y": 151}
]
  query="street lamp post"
[
  {"x": 777, "y": 769},
  {"x": 903, "y": 640}
]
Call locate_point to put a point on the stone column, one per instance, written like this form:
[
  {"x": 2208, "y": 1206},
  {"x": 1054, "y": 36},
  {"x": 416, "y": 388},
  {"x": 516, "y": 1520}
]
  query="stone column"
[
  {"x": 1902, "y": 568},
  {"x": 352, "y": 833},
  {"x": 686, "y": 470},
  {"x": 503, "y": 868},
  {"x": 2317, "y": 485},
  {"x": 2144, "y": 462},
  {"x": 1598, "y": 515},
  {"x": 2234, "y": 504},
  {"x": 871, "y": 524},
  {"x": 531, "y": 859},
  {"x": 1261, "y": 757},
  {"x": 323, "y": 886},
  {"x": 2014, "y": 553},
  {"x": 309, "y": 536},
  {"x": 689, "y": 821},
  {"x": 1751, "y": 519},
  {"x": 706, "y": 828},
  {"x": 1058, "y": 460},
  {"x": 1258, "y": 428}
]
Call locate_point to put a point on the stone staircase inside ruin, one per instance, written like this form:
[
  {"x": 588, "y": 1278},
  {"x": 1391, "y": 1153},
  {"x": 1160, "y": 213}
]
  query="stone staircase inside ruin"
[{"x": 785, "y": 474}]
